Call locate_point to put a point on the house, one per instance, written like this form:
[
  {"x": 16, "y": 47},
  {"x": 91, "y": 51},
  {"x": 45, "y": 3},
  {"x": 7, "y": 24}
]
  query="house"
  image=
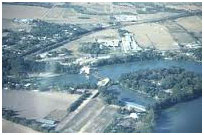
[
  {"x": 47, "y": 124},
  {"x": 133, "y": 115},
  {"x": 46, "y": 121},
  {"x": 109, "y": 42}
]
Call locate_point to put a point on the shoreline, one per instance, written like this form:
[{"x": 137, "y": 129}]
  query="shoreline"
[{"x": 158, "y": 114}]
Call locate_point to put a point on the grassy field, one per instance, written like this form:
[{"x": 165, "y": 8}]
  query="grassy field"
[
  {"x": 36, "y": 105},
  {"x": 178, "y": 33},
  {"x": 19, "y": 11},
  {"x": 81, "y": 118},
  {"x": 93, "y": 117},
  {"x": 192, "y": 24},
  {"x": 54, "y": 14},
  {"x": 10, "y": 127},
  {"x": 101, "y": 121},
  {"x": 153, "y": 34}
]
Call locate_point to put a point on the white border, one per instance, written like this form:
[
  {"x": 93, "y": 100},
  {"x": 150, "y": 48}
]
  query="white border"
[{"x": 94, "y": 1}]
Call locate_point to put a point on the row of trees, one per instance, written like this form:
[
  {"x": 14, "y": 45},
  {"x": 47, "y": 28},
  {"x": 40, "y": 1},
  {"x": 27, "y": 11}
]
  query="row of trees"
[
  {"x": 45, "y": 29},
  {"x": 71, "y": 88},
  {"x": 110, "y": 96},
  {"x": 139, "y": 56},
  {"x": 71, "y": 69},
  {"x": 78, "y": 102}
]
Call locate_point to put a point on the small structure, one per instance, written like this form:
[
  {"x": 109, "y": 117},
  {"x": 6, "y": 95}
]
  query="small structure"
[
  {"x": 123, "y": 18},
  {"x": 131, "y": 105},
  {"x": 47, "y": 123},
  {"x": 109, "y": 42},
  {"x": 134, "y": 115},
  {"x": 27, "y": 84},
  {"x": 80, "y": 91},
  {"x": 103, "y": 82},
  {"x": 85, "y": 70}
]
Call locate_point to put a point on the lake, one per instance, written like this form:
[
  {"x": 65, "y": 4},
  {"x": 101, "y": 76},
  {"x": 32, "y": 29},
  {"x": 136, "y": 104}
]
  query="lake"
[
  {"x": 114, "y": 71},
  {"x": 181, "y": 118}
]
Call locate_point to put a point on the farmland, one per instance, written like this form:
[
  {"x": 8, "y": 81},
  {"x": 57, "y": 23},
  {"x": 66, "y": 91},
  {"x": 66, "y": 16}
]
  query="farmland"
[
  {"x": 158, "y": 37},
  {"x": 18, "y": 11},
  {"x": 36, "y": 105},
  {"x": 10, "y": 127},
  {"x": 92, "y": 114}
]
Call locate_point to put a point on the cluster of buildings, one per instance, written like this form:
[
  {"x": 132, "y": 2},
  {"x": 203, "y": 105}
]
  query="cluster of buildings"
[
  {"x": 129, "y": 43},
  {"x": 126, "y": 43},
  {"x": 47, "y": 124},
  {"x": 124, "y": 18},
  {"x": 25, "y": 21}
]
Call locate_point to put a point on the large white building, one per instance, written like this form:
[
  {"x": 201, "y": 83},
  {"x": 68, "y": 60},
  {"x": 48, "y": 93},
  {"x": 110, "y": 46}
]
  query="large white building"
[
  {"x": 109, "y": 42},
  {"x": 129, "y": 43}
]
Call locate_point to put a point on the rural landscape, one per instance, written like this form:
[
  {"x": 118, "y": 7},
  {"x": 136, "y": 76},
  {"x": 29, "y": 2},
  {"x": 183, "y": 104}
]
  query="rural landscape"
[{"x": 117, "y": 67}]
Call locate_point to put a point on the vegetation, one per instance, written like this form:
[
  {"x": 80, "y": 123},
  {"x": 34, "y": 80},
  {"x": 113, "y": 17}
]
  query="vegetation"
[
  {"x": 123, "y": 124},
  {"x": 78, "y": 102},
  {"x": 139, "y": 56},
  {"x": 110, "y": 96},
  {"x": 71, "y": 69},
  {"x": 197, "y": 53},
  {"x": 42, "y": 37},
  {"x": 162, "y": 84},
  {"x": 73, "y": 87},
  {"x": 94, "y": 48},
  {"x": 18, "y": 67}
]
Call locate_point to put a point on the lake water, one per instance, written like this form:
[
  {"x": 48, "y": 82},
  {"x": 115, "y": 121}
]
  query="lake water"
[
  {"x": 132, "y": 96},
  {"x": 114, "y": 71},
  {"x": 181, "y": 118}
]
